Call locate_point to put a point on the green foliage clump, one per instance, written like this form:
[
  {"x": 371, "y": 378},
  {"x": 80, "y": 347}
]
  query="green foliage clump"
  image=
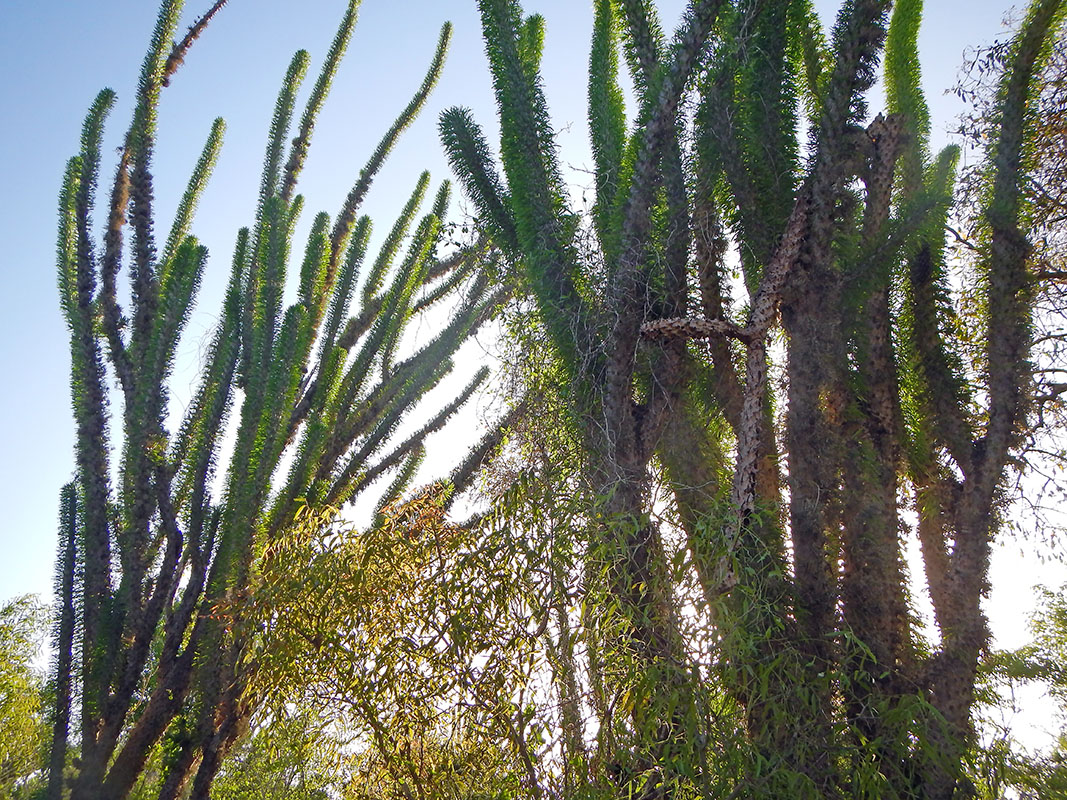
[
  {"x": 1000, "y": 763},
  {"x": 23, "y": 697}
]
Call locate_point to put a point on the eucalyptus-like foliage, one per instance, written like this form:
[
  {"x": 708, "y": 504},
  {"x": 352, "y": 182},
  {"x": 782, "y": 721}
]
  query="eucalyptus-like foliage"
[
  {"x": 790, "y": 497},
  {"x": 162, "y": 528},
  {"x": 23, "y": 722}
]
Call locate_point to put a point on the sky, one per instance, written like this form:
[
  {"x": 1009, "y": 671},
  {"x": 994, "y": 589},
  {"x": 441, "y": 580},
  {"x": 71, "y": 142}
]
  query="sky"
[{"x": 57, "y": 54}]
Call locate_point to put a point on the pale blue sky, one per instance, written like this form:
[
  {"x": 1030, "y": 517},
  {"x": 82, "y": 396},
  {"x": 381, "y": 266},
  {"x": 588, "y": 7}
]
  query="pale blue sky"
[{"x": 56, "y": 54}]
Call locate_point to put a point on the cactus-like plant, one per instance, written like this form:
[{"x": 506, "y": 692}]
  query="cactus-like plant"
[
  {"x": 803, "y": 568},
  {"x": 150, "y": 551}
]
